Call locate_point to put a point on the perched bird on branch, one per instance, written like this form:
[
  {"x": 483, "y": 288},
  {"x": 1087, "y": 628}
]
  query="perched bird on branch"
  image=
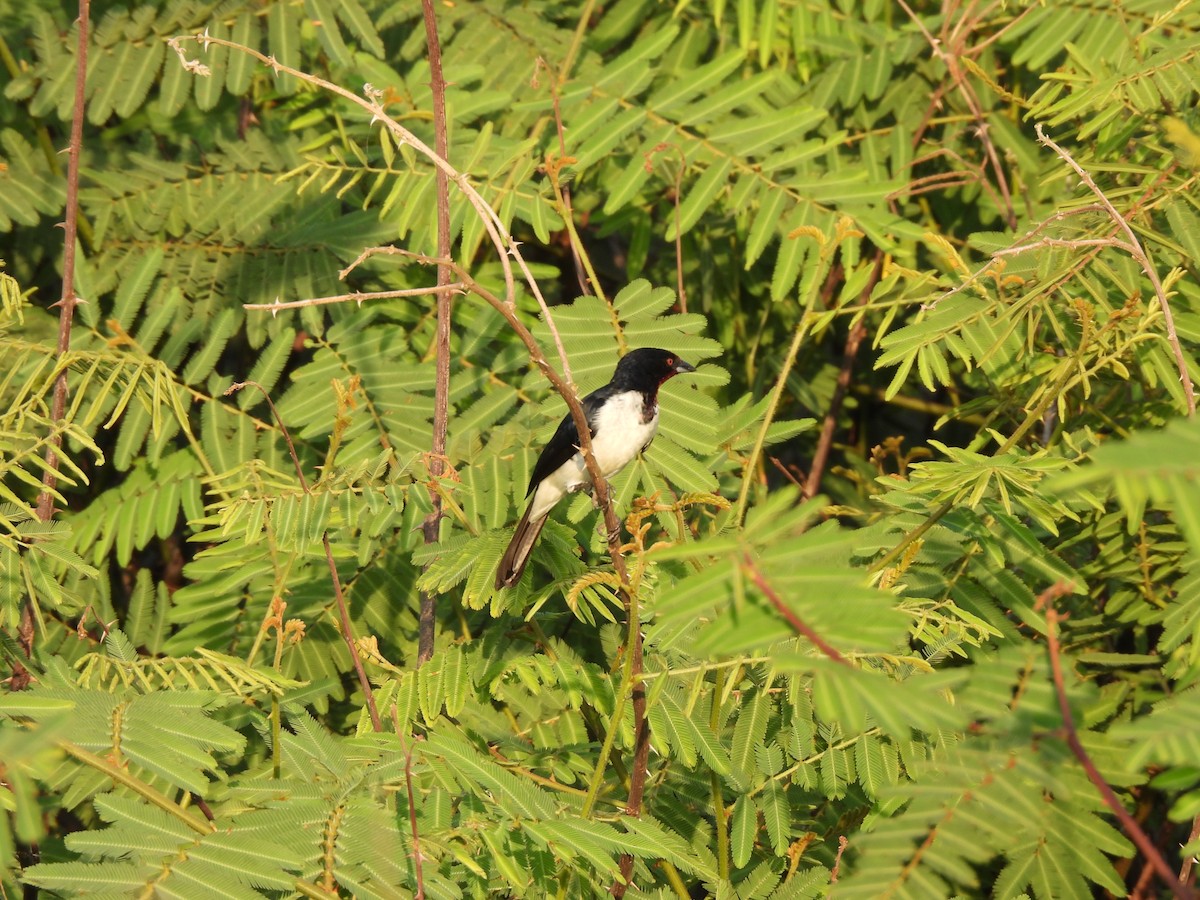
[{"x": 623, "y": 418}]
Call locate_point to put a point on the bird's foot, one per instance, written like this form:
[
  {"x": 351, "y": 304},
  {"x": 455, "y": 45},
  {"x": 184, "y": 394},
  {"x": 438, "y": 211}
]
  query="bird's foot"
[
  {"x": 596, "y": 495},
  {"x": 610, "y": 537}
]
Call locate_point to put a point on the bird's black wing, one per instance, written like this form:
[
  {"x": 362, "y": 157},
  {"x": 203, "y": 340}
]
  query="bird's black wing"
[{"x": 565, "y": 442}]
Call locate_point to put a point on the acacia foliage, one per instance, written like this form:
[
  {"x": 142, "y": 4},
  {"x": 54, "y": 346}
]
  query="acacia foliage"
[{"x": 1015, "y": 421}]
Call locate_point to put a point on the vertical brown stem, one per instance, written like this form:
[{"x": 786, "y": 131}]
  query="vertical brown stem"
[
  {"x": 66, "y": 305},
  {"x": 641, "y": 740},
  {"x": 425, "y": 632},
  {"x": 412, "y": 805},
  {"x": 66, "y": 312},
  {"x": 568, "y": 212},
  {"x": 857, "y": 332}
]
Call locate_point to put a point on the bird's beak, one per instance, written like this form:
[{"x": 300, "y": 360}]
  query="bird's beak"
[{"x": 681, "y": 367}]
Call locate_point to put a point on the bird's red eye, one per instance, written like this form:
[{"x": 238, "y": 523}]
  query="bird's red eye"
[{"x": 670, "y": 360}]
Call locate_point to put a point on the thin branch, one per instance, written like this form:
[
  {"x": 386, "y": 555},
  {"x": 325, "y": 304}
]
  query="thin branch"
[
  {"x": 1063, "y": 243},
  {"x": 1140, "y": 256},
  {"x": 412, "y": 804},
  {"x": 1153, "y": 858},
  {"x": 772, "y": 407},
  {"x": 1185, "y": 871},
  {"x": 858, "y": 331},
  {"x": 568, "y": 213},
  {"x": 948, "y": 48},
  {"x": 843, "y": 843},
  {"x": 681, "y": 289},
  {"x": 987, "y": 269},
  {"x": 66, "y": 312},
  {"x": 790, "y": 614},
  {"x": 339, "y": 596},
  {"x": 553, "y": 173},
  {"x": 679, "y": 236},
  {"x": 716, "y": 783},
  {"x": 354, "y": 297},
  {"x": 641, "y": 733},
  {"x": 431, "y": 526},
  {"x": 66, "y": 305}
]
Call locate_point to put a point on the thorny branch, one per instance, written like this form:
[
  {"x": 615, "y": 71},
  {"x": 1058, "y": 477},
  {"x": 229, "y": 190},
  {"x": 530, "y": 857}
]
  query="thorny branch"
[
  {"x": 66, "y": 313},
  {"x": 431, "y": 527}
]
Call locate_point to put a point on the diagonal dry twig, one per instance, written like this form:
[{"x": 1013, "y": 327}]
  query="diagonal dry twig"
[
  {"x": 507, "y": 248},
  {"x": 1134, "y": 248}
]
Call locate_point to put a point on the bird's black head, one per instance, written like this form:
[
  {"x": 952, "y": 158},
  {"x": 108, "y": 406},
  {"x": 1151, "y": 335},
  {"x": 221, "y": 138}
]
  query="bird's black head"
[{"x": 646, "y": 369}]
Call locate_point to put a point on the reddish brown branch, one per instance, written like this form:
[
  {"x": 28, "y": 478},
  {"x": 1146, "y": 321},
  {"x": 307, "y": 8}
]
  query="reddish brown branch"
[
  {"x": 1139, "y": 837},
  {"x": 1186, "y": 875},
  {"x": 949, "y": 47},
  {"x": 789, "y": 614},
  {"x": 857, "y": 332},
  {"x": 568, "y": 212},
  {"x": 66, "y": 313},
  {"x": 412, "y": 805},
  {"x": 679, "y": 234},
  {"x": 441, "y": 403},
  {"x": 641, "y": 750},
  {"x": 339, "y": 596},
  {"x": 66, "y": 305}
]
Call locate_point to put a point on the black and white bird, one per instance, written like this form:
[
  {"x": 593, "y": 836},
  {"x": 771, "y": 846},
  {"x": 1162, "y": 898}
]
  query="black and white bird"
[{"x": 623, "y": 418}]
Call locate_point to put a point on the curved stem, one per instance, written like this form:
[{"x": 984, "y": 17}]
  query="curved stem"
[{"x": 339, "y": 595}]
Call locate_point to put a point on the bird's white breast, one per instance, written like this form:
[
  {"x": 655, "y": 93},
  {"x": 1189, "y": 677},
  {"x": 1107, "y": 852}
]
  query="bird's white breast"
[{"x": 620, "y": 434}]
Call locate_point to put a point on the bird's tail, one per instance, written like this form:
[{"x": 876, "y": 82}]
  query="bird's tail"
[{"x": 519, "y": 548}]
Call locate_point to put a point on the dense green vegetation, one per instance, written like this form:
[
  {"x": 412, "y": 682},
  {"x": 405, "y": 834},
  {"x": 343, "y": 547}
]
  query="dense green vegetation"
[{"x": 934, "y": 484}]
